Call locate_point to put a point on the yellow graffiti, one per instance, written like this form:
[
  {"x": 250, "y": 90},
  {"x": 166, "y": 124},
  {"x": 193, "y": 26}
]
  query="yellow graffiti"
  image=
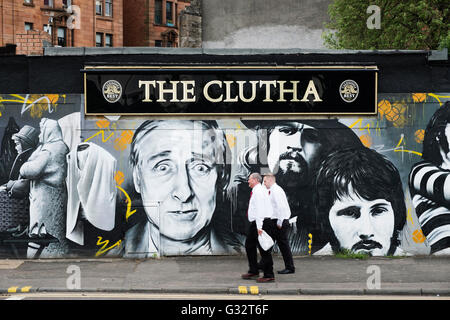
[
  {"x": 102, "y": 133},
  {"x": 104, "y": 245},
  {"x": 394, "y": 112},
  {"x": 129, "y": 212},
  {"x": 366, "y": 140},
  {"x": 419, "y": 97},
  {"x": 35, "y": 103},
  {"x": 231, "y": 139},
  {"x": 409, "y": 216},
  {"x": 419, "y": 135},
  {"x": 437, "y": 97},
  {"x": 418, "y": 236},
  {"x": 399, "y": 148},
  {"x": 102, "y": 124},
  {"x": 124, "y": 140},
  {"x": 360, "y": 125},
  {"x": 119, "y": 177}
]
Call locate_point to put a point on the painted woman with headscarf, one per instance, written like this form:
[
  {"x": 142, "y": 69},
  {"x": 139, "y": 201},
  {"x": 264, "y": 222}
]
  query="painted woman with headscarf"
[{"x": 46, "y": 168}]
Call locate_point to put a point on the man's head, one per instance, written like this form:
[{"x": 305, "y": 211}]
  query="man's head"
[
  {"x": 295, "y": 148},
  {"x": 180, "y": 165},
  {"x": 436, "y": 139},
  {"x": 359, "y": 201},
  {"x": 269, "y": 180},
  {"x": 254, "y": 179}
]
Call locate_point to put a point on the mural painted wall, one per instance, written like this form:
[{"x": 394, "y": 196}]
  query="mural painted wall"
[{"x": 76, "y": 186}]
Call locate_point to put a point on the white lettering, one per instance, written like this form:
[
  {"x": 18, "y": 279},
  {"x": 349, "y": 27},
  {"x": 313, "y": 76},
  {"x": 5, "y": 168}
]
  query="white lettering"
[
  {"x": 147, "y": 85},
  {"x": 172, "y": 91},
  {"x": 283, "y": 91},
  {"x": 206, "y": 94},
  {"x": 311, "y": 89},
  {"x": 188, "y": 91}
]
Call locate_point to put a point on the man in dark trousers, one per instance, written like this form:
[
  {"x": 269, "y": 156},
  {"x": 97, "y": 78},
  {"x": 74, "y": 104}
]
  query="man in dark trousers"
[
  {"x": 281, "y": 215},
  {"x": 260, "y": 217}
]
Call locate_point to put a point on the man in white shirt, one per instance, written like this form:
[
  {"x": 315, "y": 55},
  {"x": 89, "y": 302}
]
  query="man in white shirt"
[
  {"x": 281, "y": 215},
  {"x": 260, "y": 216}
]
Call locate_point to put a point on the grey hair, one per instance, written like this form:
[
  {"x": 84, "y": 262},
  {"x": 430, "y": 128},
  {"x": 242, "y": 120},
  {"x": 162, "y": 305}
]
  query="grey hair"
[{"x": 257, "y": 176}]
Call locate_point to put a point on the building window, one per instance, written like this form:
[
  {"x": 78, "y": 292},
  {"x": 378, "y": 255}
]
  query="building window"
[
  {"x": 28, "y": 2},
  {"x": 108, "y": 40},
  {"x": 48, "y": 3},
  {"x": 169, "y": 13},
  {"x": 158, "y": 11},
  {"x": 99, "y": 7},
  {"x": 169, "y": 38},
  {"x": 61, "y": 36},
  {"x": 175, "y": 14},
  {"x": 67, "y": 3},
  {"x": 158, "y": 43},
  {"x": 108, "y": 8},
  {"x": 28, "y": 26},
  {"x": 99, "y": 39},
  {"x": 104, "y": 8}
]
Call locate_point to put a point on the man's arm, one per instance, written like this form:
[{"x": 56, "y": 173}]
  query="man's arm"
[
  {"x": 284, "y": 212},
  {"x": 431, "y": 182},
  {"x": 255, "y": 208}
]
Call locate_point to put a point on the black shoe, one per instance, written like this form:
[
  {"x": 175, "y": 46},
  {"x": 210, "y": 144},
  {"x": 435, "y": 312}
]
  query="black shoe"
[{"x": 286, "y": 271}]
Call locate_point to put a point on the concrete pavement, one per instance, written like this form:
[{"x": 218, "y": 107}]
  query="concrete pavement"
[{"x": 327, "y": 275}]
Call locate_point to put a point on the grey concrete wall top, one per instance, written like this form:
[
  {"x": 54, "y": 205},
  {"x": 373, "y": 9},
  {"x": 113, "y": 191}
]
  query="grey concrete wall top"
[
  {"x": 82, "y": 51},
  {"x": 264, "y": 23}
]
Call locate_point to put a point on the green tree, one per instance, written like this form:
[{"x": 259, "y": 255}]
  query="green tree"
[{"x": 405, "y": 24}]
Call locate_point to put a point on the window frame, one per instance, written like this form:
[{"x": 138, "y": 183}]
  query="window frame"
[
  {"x": 51, "y": 3},
  {"x": 110, "y": 36},
  {"x": 101, "y": 7},
  {"x": 158, "y": 12},
  {"x": 58, "y": 37},
  {"x": 101, "y": 39},
  {"x": 108, "y": 4},
  {"x": 170, "y": 4},
  {"x": 29, "y": 24}
]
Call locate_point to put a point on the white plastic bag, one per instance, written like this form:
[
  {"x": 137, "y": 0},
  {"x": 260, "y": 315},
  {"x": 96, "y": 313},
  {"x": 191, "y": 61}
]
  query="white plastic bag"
[{"x": 265, "y": 241}]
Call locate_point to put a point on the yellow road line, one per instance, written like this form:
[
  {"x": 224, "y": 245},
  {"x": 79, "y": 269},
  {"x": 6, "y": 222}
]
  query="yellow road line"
[
  {"x": 12, "y": 289},
  {"x": 254, "y": 290},
  {"x": 242, "y": 289}
]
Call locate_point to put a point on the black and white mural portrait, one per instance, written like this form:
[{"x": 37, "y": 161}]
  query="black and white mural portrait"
[
  {"x": 140, "y": 187},
  {"x": 430, "y": 182}
]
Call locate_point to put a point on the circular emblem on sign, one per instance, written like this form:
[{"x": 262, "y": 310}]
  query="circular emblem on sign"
[
  {"x": 349, "y": 90},
  {"x": 112, "y": 91}
]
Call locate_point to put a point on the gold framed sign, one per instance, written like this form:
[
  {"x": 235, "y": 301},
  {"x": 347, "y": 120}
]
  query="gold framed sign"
[{"x": 230, "y": 90}]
